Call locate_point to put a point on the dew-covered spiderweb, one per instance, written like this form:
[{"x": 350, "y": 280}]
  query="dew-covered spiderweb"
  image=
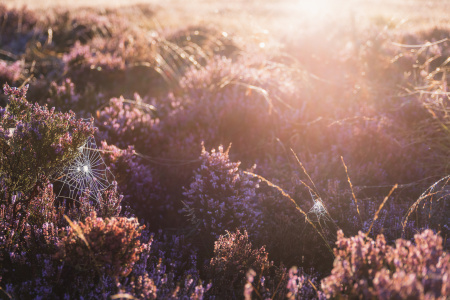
[
  {"x": 318, "y": 209},
  {"x": 87, "y": 172}
]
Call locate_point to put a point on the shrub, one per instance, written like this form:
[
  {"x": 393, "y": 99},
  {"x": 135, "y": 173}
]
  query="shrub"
[
  {"x": 139, "y": 183},
  {"x": 18, "y": 27},
  {"x": 103, "y": 246},
  {"x": 373, "y": 269},
  {"x": 126, "y": 122},
  {"x": 242, "y": 102},
  {"x": 71, "y": 27},
  {"x": 233, "y": 257},
  {"x": 221, "y": 197},
  {"x": 167, "y": 269},
  {"x": 10, "y": 72},
  {"x": 35, "y": 143}
]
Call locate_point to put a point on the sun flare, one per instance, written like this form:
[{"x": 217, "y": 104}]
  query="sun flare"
[{"x": 314, "y": 7}]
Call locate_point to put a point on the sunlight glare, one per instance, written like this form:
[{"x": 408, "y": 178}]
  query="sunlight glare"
[{"x": 314, "y": 7}]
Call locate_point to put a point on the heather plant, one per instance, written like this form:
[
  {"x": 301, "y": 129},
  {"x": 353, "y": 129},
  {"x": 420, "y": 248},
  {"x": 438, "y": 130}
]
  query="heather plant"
[
  {"x": 139, "y": 184},
  {"x": 70, "y": 27},
  {"x": 257, "y": 74},
  {"x": 221, "y": 197},
  {"x": 233, "y": 257},
  {"x": 36, "y": 142},
  {"x": 125, "y": 122},
  {"x": 27, "y": 249},
  {"x": 103, "y": 246},
  {"x": 174, "y": 265},
  {"x": 63, "y": 95},
  {"x": 10, "y": 72},
  {"x": 43, "y": 208},
  {"x": 86, "y": 63},
  {"x": 374, "y": 269},
  {"x": 107, "y": 204},
  {"x": 18, "y": 28},
  {"x": 301, "y": 285},
  {"x": 228, "y": 100},
  {"x": 28, "y": 267},
  {"x": 190, "y": 47},
  {"x": 222, "y": 103},
  {"x": 167, "y": 268}
]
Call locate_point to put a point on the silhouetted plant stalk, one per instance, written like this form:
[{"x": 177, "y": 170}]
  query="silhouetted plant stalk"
[
  {"x": 318, "y": 200},
  {"x": 427, "y": 194},
  {"x": 296, "y": 206},
  {"x": 351, "y": 188},
  {"x": 381, "y": 207}
]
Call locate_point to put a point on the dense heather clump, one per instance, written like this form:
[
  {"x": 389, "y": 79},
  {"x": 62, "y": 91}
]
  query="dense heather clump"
[
  {"x": 368, "y": 268},
  {"x": 18, "y": 28},
  {"x": 221, "y": 197},
  {"x": 227, "y": 101},
  {"x": 87, "y": 64},
  {"x": 73, "y": 27},
  {"x": 10, "y": 72},
  {"x": 302, "y": 286},
  {"x": 36, "y": 141},
  {"x": 124, "y": 122},
  {"x": 63, "y": 95},
  {"x": 138, "y": 183},
  {"x": 103, "y": 246},
  {"x": 233, "y": 258},
  {"x": 167, "y": 269}
]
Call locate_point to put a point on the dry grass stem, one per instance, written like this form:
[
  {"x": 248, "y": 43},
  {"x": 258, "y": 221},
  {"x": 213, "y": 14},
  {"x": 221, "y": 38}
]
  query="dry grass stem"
[{"x": 381, "y": 207}]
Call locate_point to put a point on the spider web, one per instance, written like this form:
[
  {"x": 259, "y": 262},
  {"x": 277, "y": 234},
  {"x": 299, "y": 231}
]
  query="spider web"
[
  {"x": 87, "y": 172},
  {"x": 318, "y": 209}
]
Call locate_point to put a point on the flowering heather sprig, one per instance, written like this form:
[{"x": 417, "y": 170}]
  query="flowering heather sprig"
[
  {"x": 10, "y": 72},
  {"x": 142, "y": 287},
  {"x": 373, "y": 269},
  {"x": 84, "y": 57},
  {"x": 97, "y": 68},
  {"x": 301, "y": 285},
  {"x": 167, "y": 269},
  {"x": 63, "y": 96},
  {"x": 233, "y": 257},
  {"x": 124, "y": 124},
  {"x": 33, "y": 250},
  {"x": 35, "y": 141},
  {"x": 43, "y": 209},
  {"x": 221, "y": 197},
  {"x": 104, "y": 246},
  {"x": 138, "y": 182},
  {"x": 107, "y": 204}
]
